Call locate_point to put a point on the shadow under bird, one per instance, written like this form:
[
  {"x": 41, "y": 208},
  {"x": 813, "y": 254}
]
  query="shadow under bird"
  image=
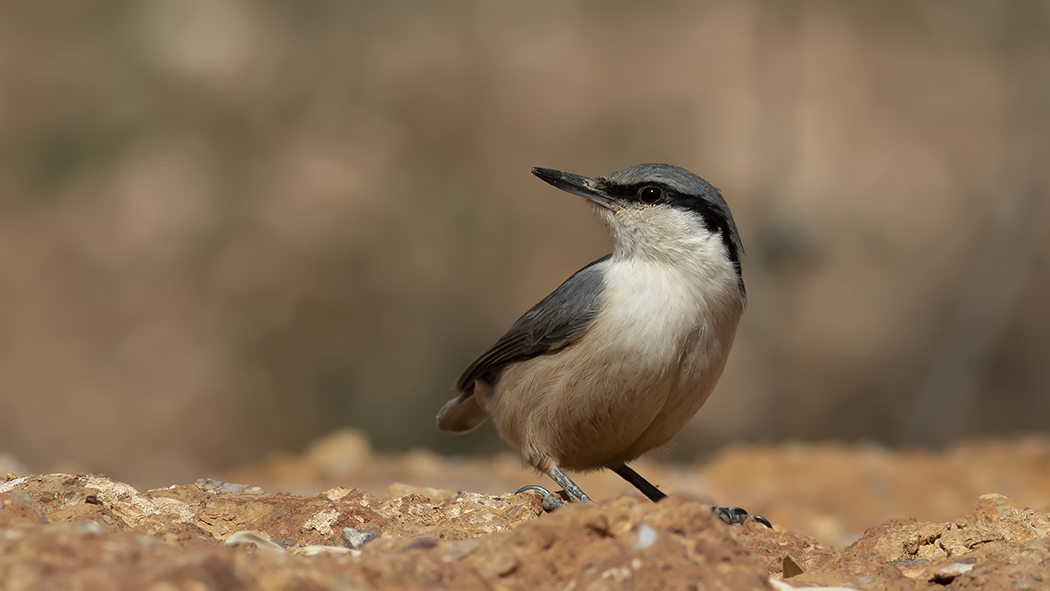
[{"x": 616, "y": 361}]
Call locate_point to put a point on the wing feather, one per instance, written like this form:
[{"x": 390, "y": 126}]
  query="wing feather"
[
  {"x": 548, "y": 326},
  {"x": 555, "y": 322}
]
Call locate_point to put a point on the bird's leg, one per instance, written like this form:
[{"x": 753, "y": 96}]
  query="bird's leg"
[
  {"x": 552, "y": 501},
  {"x": 731, "y": 515},
  {"x": 575, "y": 494},
  {"x": 640, "y": 483}
]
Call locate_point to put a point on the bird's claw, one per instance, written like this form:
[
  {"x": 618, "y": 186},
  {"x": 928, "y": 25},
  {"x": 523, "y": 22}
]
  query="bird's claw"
[
  {"x": 738, "y": 515},
  {"x": 551, "y": 501}
]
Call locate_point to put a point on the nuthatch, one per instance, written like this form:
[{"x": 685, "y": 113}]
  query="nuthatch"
[{"x": 615, "y": 361}]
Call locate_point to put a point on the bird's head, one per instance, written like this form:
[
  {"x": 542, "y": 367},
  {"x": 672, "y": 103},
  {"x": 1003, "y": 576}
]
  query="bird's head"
[{"x": 658, "y": 211}]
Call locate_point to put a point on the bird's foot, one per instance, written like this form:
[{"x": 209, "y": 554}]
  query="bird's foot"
[
  {"x": 551, "y": 501},
  {"x": 737, "y": 516}
]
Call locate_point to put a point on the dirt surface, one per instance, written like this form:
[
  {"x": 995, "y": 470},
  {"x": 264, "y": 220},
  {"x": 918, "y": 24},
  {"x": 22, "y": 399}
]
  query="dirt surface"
[{"x": 90, "y": 532}]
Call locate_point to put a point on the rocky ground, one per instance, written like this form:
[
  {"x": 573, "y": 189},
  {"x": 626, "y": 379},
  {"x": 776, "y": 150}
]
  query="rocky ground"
[{"x": 972, "y": 517}]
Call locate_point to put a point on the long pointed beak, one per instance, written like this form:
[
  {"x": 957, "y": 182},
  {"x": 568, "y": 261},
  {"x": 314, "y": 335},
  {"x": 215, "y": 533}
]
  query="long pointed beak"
[{"x": 586, "y": 187}]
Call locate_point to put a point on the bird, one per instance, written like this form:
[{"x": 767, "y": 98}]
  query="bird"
[{"x": 616, "y": 360}]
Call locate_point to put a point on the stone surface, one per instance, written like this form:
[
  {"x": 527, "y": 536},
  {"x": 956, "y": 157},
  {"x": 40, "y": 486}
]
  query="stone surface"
[
  {"x": 91, "y": 532},
  {"x": 832, "y": 492},
  {"x": 216, "y": 514},
  {"x": 996, "y": 546},
  {"x": 458, "y": 540}
]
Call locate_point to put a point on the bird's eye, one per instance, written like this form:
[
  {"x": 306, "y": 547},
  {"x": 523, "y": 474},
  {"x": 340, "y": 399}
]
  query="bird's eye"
[{"x": 650, "y": 194}]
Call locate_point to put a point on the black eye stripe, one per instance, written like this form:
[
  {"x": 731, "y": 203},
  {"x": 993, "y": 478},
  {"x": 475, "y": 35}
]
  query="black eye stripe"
[{"x": 634, "y": 192}]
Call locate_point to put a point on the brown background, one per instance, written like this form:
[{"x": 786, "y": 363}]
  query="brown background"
[{"x": 228, "y": 228}]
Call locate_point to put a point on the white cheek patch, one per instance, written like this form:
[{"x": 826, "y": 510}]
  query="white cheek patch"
[{"x": 663, "y": 233}]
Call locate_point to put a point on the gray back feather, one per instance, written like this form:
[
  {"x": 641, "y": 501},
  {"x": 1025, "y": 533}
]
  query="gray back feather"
[{"x": 551, "y": 324}]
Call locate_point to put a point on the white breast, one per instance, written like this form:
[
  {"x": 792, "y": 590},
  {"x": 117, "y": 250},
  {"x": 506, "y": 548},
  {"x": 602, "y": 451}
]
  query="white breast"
[{"x": 649, "y": 308}]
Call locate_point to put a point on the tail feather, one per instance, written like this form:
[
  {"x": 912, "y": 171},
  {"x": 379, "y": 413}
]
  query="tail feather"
[{"x": 462, "y": 414}]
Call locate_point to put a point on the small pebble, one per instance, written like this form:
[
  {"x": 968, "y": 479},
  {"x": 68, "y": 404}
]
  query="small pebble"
[
  {"x": 947, "y": 574},
  {"x": 782, "y": 586},
  {"x": 23, "y": 498},
  {"x": 220, "y": 486},
  {"x": 552, "y": 502},
  {"x": 644, "y": 537},
  {"x": 421, "y": 543},
  {"x": 315, "y": 550},
  {"x": 457, "y": 550},
  {"x": 261, "y": 541},
  {"x": 792, "y": 568},
  {"x": 355, "y": 538},
  {"x": 286, "y": 543},
  {"x": 93, "y": 528}
]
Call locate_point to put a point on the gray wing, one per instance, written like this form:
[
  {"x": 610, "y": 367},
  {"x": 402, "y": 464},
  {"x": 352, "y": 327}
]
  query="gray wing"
[{"x": 551, "y": 324}]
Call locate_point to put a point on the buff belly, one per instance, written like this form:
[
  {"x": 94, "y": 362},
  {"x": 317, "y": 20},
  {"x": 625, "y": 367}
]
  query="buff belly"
[{"x": 586, "y": 408}]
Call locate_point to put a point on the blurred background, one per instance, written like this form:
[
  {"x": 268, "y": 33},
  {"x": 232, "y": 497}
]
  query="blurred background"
[{"x": 230, "y": 228}]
